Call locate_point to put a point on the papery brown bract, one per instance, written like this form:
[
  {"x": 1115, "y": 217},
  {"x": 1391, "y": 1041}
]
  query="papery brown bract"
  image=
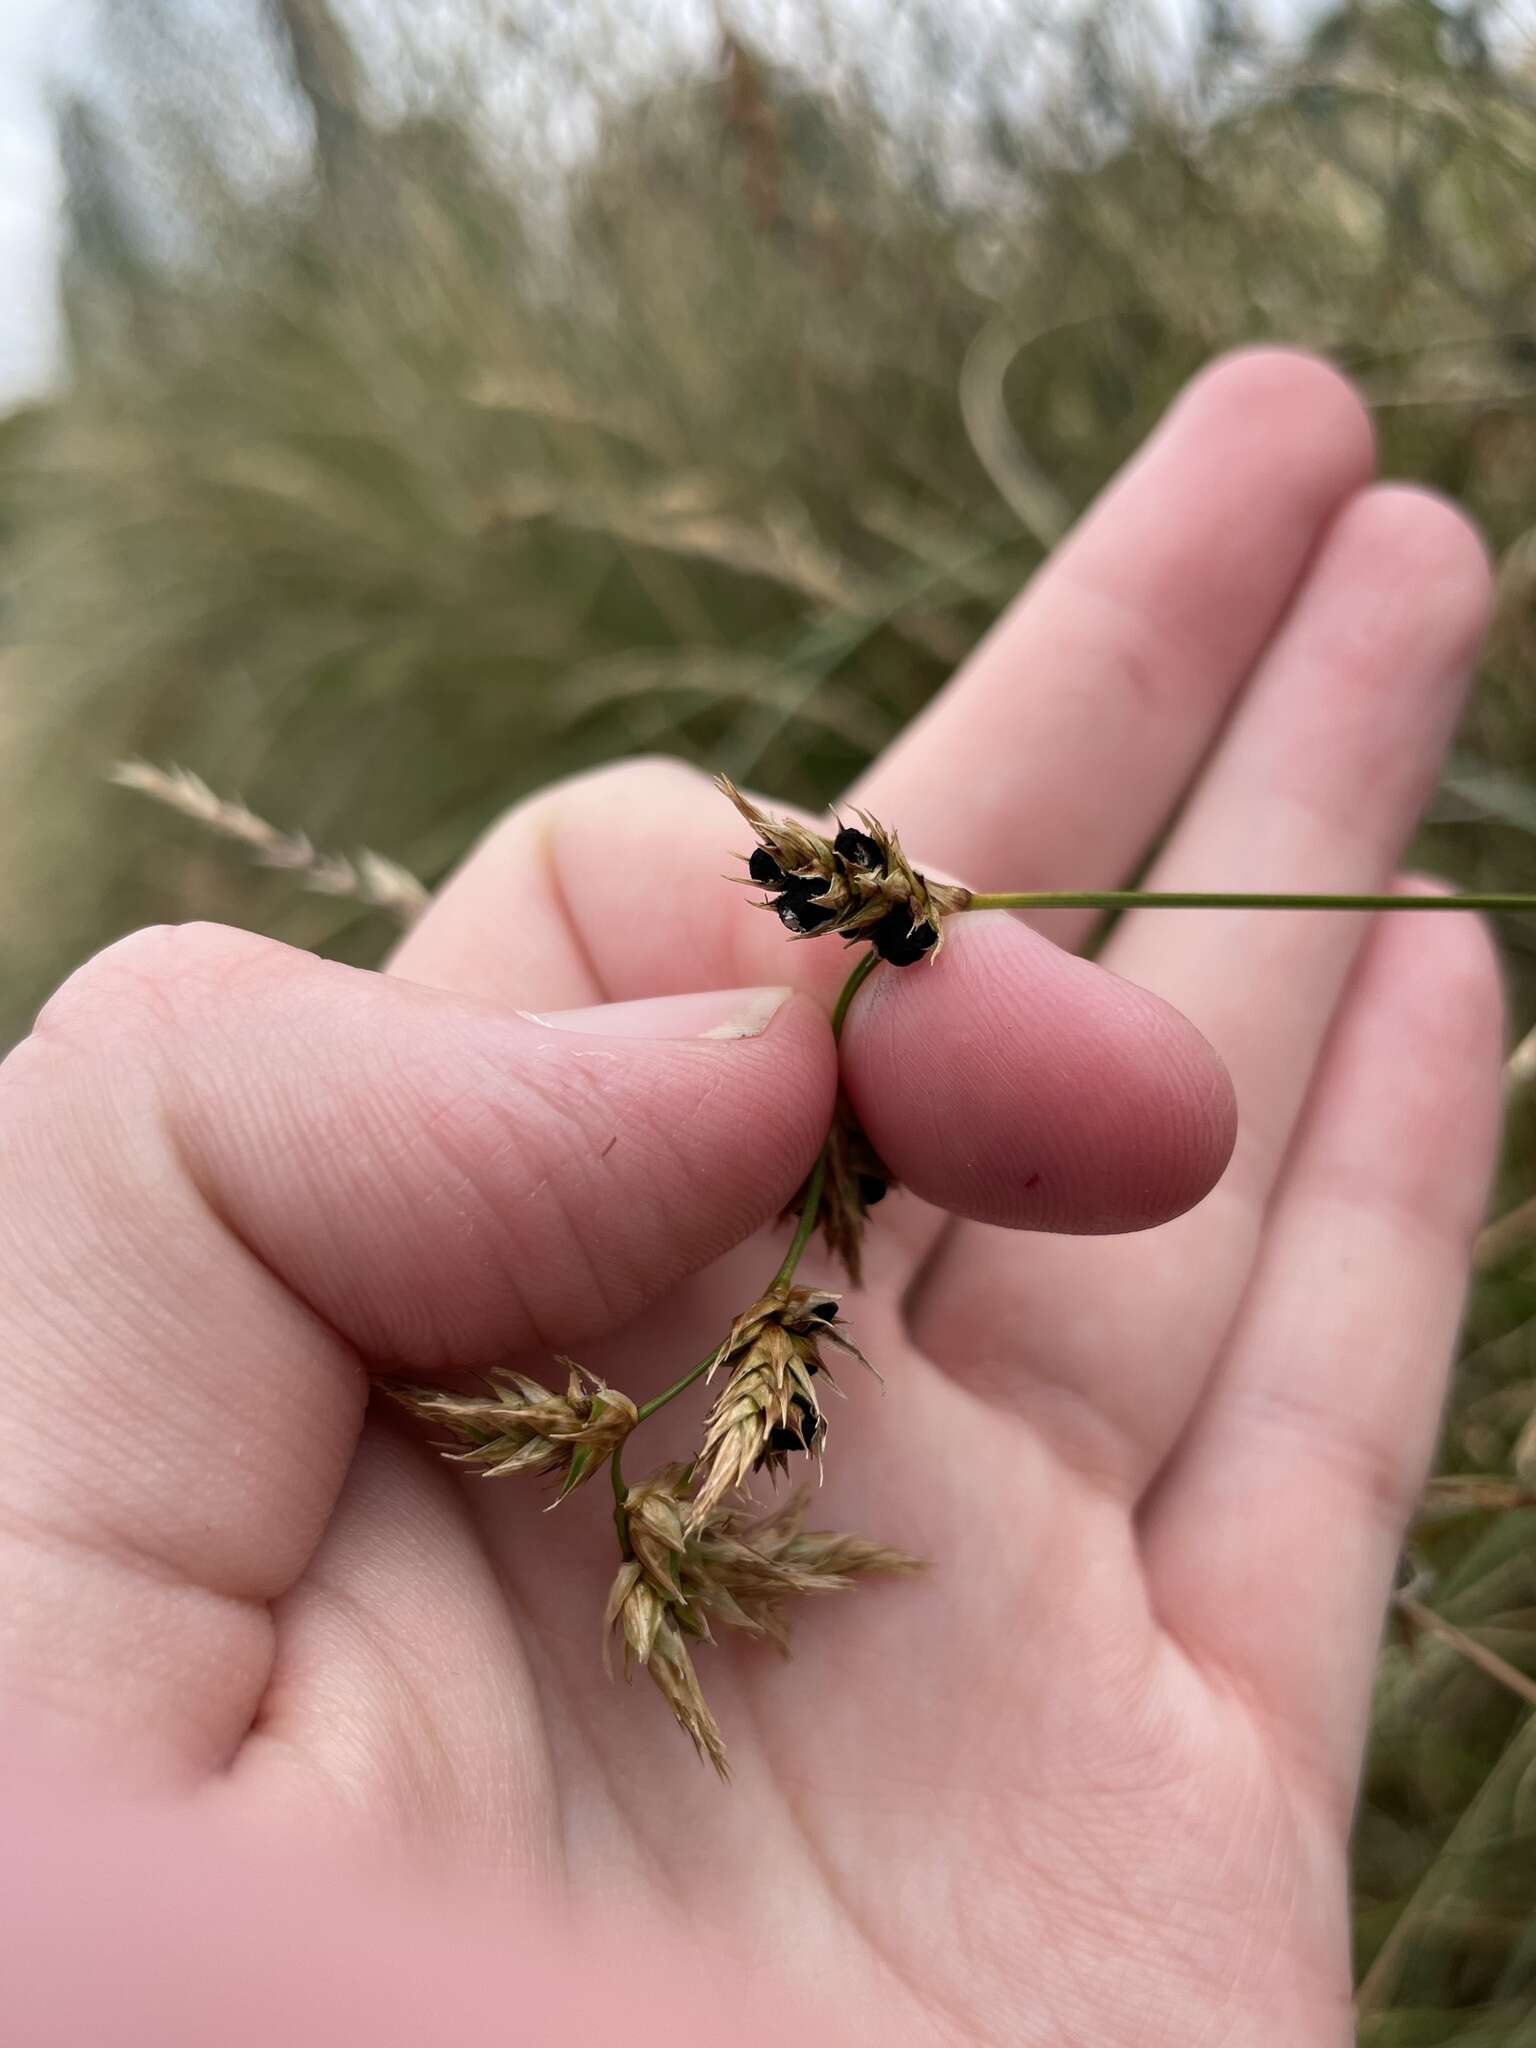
[
  {"x": 854, "y": 1179},
  {"x": 742, "y": 1568},
  {"x": 859, "y": 885},
  {"x": 773, "y": 1356},
  {"x": 521, "y": 1426},
  {"x": 653, "y": 1639}
]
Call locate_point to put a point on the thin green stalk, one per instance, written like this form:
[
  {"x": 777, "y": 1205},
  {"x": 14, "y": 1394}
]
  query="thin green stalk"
[
  {"x": 695, "y": 1372},
  {"x": 805, "y": 1229},
  {"x": 850, "y": 989},
  {"x": 620, "y": 1500},
  {"x": 797, "y": 1244},
  {"x": 1206, "y": 899}
]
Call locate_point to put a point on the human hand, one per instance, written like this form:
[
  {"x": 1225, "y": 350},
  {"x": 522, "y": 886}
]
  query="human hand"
[{"x": 1090, "y": 1780}]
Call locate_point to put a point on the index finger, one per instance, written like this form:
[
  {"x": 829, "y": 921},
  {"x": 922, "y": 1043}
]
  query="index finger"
[{"x": 1006, "y": 1080}]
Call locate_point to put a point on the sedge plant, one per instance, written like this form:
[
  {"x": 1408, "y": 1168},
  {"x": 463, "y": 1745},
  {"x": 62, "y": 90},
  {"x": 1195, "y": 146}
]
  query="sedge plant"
[{"x": 696, "y": 1554}]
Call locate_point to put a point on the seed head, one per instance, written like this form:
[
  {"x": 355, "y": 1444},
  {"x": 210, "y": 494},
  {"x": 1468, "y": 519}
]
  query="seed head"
[
  {"x": 654, "y": 1511},
  {"x": 652, "y": 1638},
  {"x": 519, "y": 1426},
  {"x": 768, "y": 1408},
  {"x": 859, "y": 883},
  {"x": 855, "y": 1178},
  {"x": 731, "y": 1568},
  {"x": 740, "y": 1569}
]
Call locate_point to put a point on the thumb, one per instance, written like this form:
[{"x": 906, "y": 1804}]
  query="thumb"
[
  {"x": 229, "y": 1175},
  {"x": 442, "y": 1181}
]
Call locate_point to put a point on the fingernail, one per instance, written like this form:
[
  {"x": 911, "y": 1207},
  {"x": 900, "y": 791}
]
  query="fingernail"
[{"x": 719, "y": 1013}]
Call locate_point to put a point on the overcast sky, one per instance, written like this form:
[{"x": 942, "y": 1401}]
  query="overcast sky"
[
  {"x": 30, "y": 32},
  {"x": 40, "y": 39}
]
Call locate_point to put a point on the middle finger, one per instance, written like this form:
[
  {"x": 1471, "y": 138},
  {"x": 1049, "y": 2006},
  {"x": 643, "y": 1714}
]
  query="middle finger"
[
  {"x": 1316, "y": 787},
  {"x": 1064, "y": 744}
]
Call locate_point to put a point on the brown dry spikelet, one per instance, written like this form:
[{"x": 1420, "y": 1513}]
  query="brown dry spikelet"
[
  {"x": 859, "y": 885},
  {"x": 855, "y": 1177},
  {"x": 653, "y": 1639},
  {"x": 520, "y": 1426},
  {"x": 654, "y": 1514},
  {"x": 740, "y": 1569},
  {"x": 769, "y": 1406}
]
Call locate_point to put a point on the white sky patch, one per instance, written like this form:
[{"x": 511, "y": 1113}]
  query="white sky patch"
[
  {"x": 998, "y": 49},
  {"x": 31, "y": 188}
]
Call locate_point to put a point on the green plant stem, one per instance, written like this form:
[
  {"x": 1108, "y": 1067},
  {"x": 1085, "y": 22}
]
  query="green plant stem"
[
  {"x": 850, "y": 989},
  {"x": 1205, "y": 899},
  {"x": 810, "y": 1209},
  {"x": 657, "y": 1401},
  {"x": 620, "y": 1500},
  {"x": 805, "y": 1229}
]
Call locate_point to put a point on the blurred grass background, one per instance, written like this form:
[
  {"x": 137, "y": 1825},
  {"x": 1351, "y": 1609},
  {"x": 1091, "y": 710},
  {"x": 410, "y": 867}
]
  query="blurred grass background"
[{"x": 451, "y": 410}]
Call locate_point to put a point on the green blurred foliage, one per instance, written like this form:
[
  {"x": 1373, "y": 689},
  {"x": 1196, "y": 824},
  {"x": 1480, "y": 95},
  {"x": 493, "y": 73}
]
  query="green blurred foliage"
[{"x": 430, "y": 435}]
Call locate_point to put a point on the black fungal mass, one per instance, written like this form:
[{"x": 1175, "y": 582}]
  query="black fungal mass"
[
  {"x": 858, "y": 849},
  {"x": 797, "y": 912},
  {"x": 802, "y": 1433},
  {"x": 901, "y": 942},
  {"x": 796, "y": 898}
]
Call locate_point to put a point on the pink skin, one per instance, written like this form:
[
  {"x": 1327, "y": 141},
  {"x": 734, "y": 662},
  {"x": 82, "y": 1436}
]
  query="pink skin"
[{"x": 1089, "y": 1781}]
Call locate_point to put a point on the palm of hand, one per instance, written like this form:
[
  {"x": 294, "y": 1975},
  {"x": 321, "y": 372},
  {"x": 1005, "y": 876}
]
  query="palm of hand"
[
  {"x": 1004, "y": 1803},
  {"x": 1090, "y": 1778}
]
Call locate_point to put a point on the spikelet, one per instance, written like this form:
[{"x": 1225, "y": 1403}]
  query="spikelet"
[
  {"x": 769, "y": 1407},
  {"x": 520, "y": 1426},
  {"x": 859, "y": 884},
  {"x": 854, "y": 1179},
  {"x": 648, "y": 1622},
  {"x": 734, "y": 1569},
  {"x": 741, "y": 1569}
]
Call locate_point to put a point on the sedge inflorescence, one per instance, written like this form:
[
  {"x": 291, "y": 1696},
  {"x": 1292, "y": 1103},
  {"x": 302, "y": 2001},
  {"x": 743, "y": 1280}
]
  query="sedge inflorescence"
[
  {"x": 696, "y": 1556},
  {"x": 857, "y": 885}
]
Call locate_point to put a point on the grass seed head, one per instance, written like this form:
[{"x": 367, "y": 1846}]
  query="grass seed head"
[
  {"x": 648, "y": 1622},
  {"x": 742, "y": 1568},
  {"x": 855, "y": 1178},
  {"x": 654, "y": 1513},
  {"x": 520, "y": 1426},
  {"x": 769, "y": 1407},
  {"x": 858, "y": 884}
]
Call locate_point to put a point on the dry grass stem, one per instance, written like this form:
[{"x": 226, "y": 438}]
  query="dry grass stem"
[
  {"x": 371, "y": 879},
  {"x": 1463, "y": 1493},
  {"x": 1486, "y": 1660},
  {"x": 1505, "y": 1236}
]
